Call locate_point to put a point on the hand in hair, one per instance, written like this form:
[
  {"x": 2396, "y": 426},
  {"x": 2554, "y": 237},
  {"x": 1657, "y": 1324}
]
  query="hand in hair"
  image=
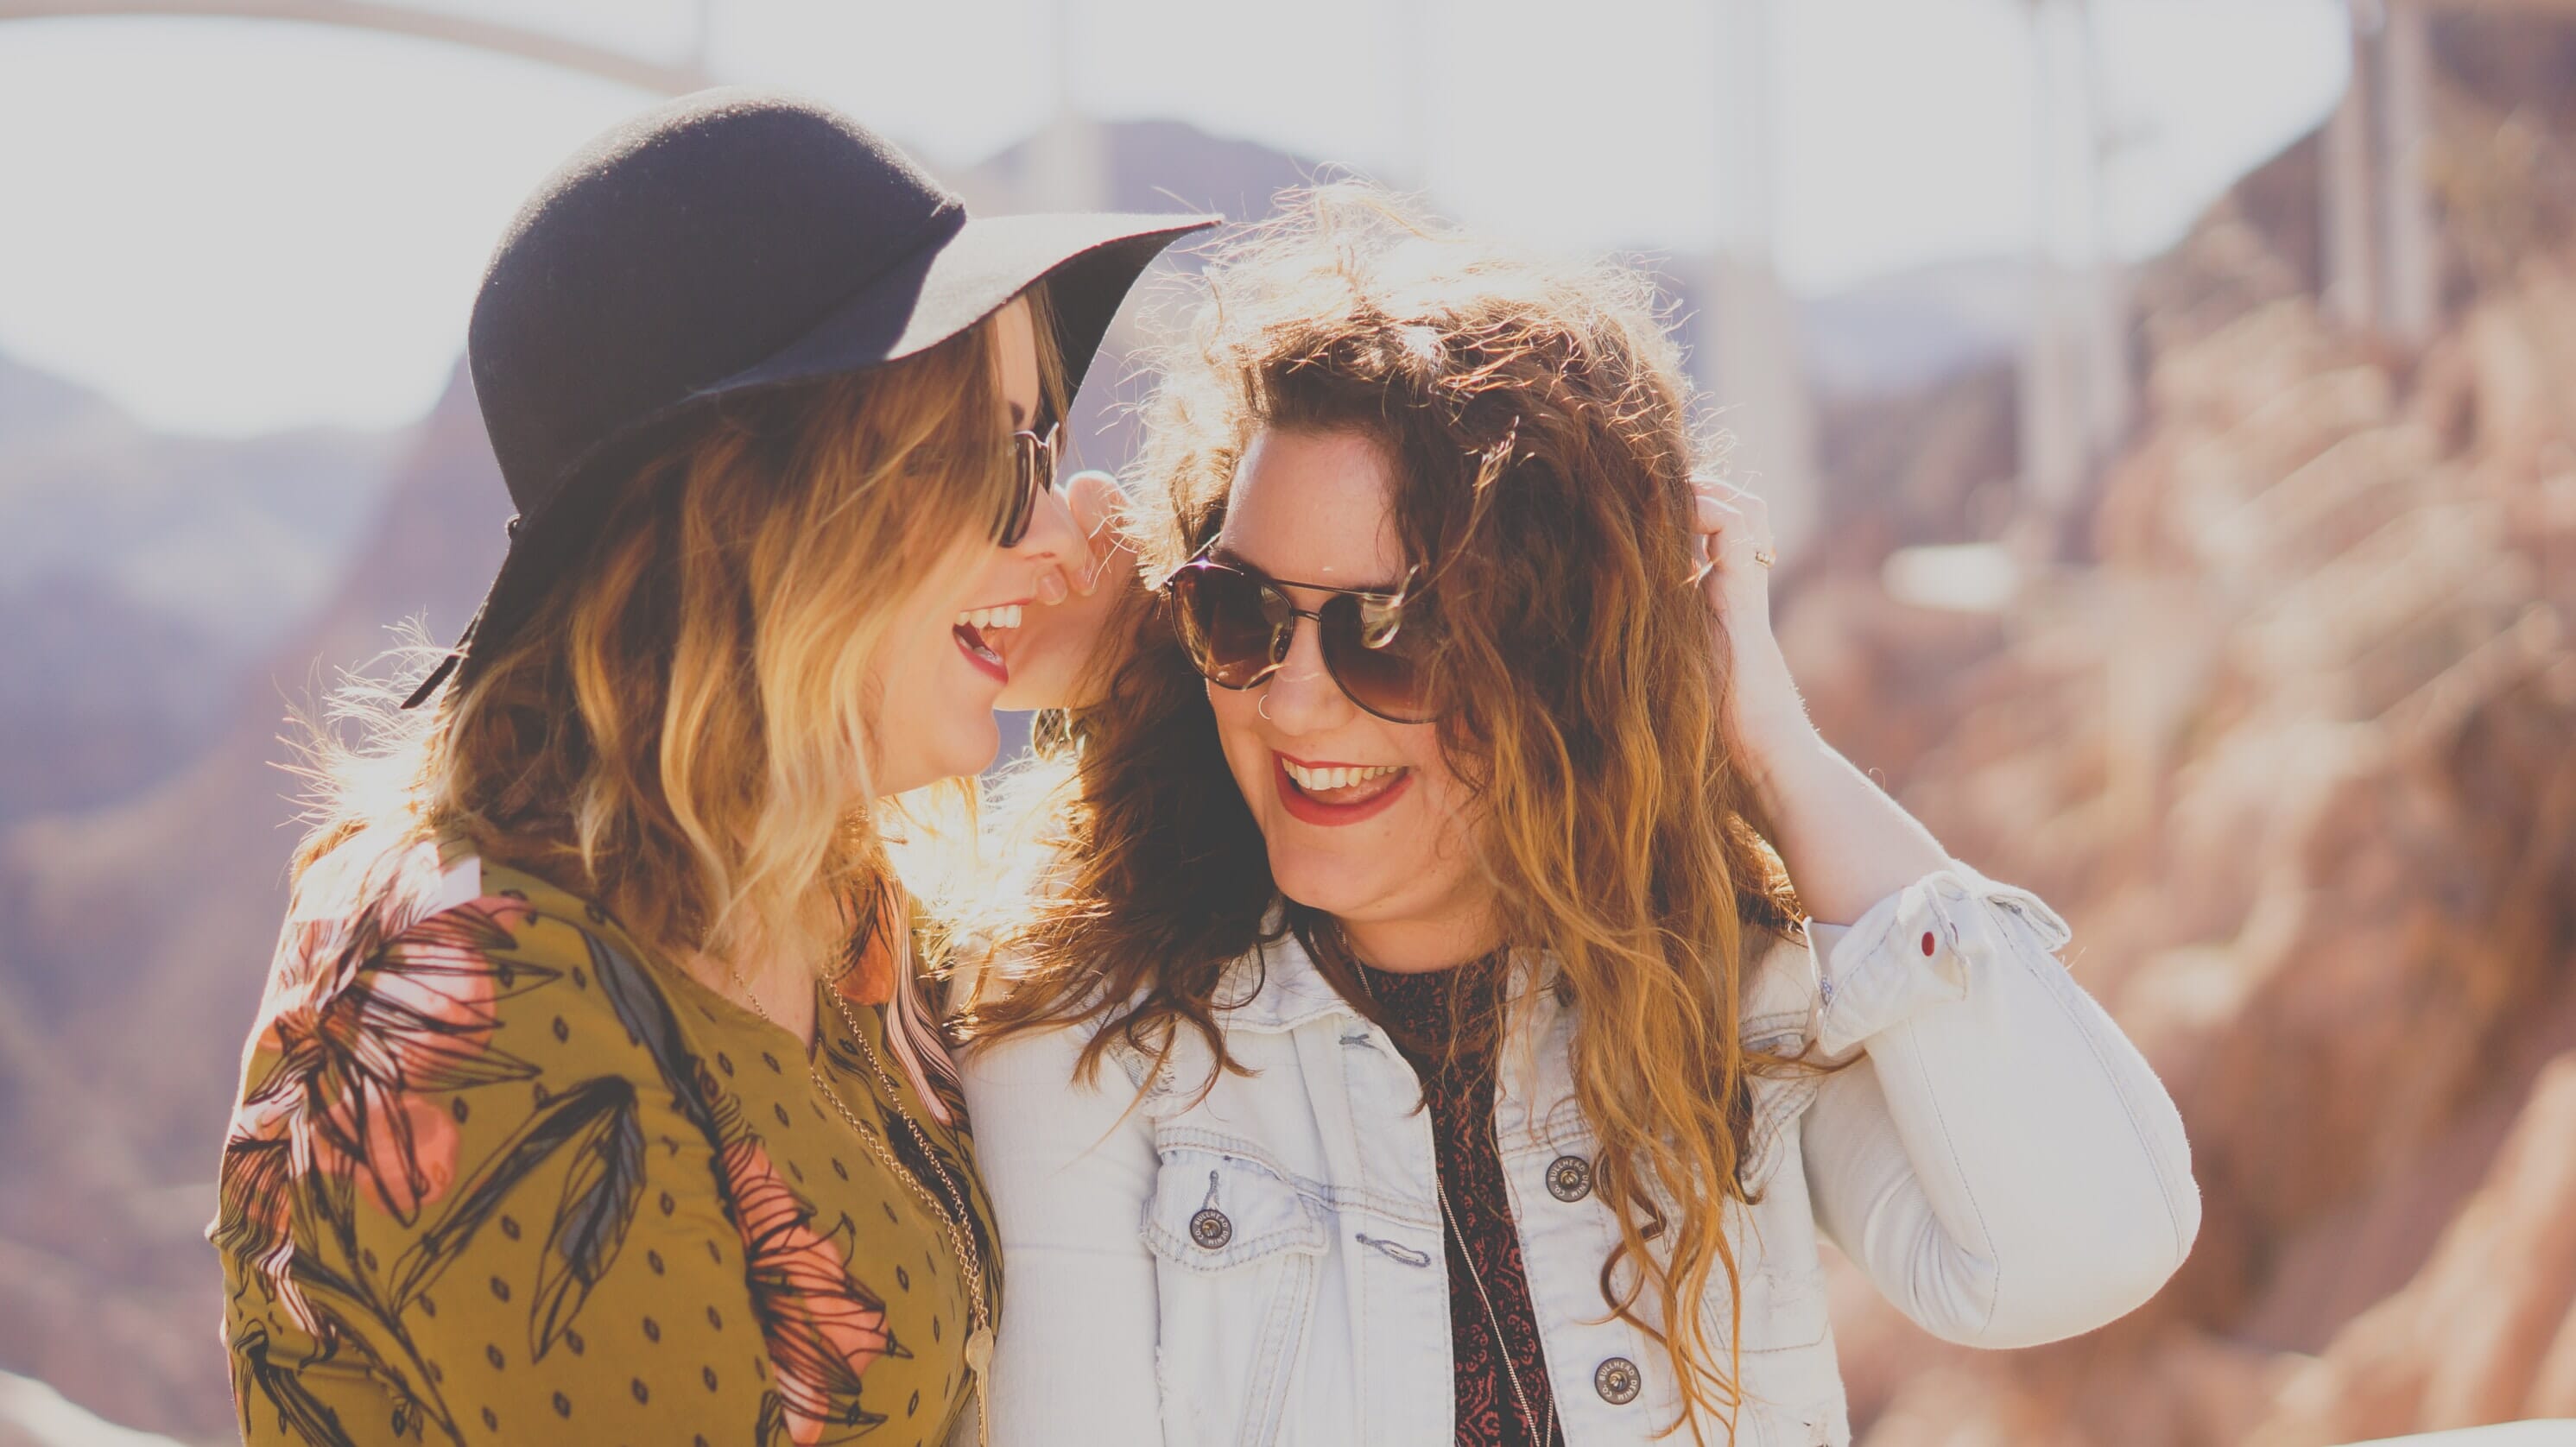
[
  {"x": 1845, "y": 842},
  {"x": 1734, "y": 524}
]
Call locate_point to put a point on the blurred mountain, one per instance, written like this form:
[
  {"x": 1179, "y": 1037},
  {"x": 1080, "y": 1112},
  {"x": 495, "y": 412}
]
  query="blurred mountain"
[
  {"x": 105, "y": 695},
  {"x": 139, "y": 933},
  {"x": 1145, "y": 165},
  {"x": 140, "y": 573},
  {"x": 242, "y": 536},
  {"x": 1916, "y": 328}
]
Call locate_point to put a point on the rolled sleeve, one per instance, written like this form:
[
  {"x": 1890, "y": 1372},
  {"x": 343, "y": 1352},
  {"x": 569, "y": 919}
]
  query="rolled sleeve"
[
  {"x": 1919, "y": 947},
  {"x": 2000, "y": 1160}
]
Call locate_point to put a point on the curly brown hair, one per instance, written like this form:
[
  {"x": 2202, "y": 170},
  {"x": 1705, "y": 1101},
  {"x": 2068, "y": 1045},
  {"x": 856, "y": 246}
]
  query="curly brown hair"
[{"x": 1543, "y": 439}]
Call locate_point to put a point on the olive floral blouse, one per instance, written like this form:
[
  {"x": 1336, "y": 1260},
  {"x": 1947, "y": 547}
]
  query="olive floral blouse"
[{"x": 499, "y": 1175}]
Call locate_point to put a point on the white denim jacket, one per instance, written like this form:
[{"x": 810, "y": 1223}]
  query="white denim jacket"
[{"x": 1264, "y": 1265}]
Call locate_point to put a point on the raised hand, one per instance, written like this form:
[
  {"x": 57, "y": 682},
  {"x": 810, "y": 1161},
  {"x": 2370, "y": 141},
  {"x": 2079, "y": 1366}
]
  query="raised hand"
[
  {"x": 1052, "y": 662},
  {"x": 1737, "y": 547}
]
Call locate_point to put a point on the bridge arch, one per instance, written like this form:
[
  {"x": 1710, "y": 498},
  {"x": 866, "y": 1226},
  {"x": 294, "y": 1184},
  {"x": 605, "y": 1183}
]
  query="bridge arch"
[{"x": 498, "y": 37}]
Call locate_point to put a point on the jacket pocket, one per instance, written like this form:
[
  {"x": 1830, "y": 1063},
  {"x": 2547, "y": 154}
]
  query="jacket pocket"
[
  {"x": 1238, "y": 1250},
  {"x": 1793, "y": 1314},
  {"x": 1792, "y": 1383},
  {"x": 1784, "y": 1279}
]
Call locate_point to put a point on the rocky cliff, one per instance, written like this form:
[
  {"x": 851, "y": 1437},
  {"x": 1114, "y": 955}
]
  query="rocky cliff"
[{"x": 2294, "y": 749}]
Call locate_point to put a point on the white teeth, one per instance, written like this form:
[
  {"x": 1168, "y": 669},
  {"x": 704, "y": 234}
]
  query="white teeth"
[
  {"x": 1004, "y": 617},
  {"x": 1315, "y": 780}
]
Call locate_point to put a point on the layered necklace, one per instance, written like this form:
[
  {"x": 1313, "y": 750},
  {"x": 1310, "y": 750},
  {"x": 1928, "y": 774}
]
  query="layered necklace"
[{"x": 949, "y": 1203}]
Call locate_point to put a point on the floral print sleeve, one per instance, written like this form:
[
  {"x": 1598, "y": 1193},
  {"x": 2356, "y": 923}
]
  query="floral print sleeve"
[{"x": 494, "y": 1177}]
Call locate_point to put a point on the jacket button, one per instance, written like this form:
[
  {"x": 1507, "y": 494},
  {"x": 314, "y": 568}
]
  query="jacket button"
[
  {"x": 1617, "y": 1381},
  {"x": 1569, "y": 1178},
  {"x": 1210, "y": 1229}
]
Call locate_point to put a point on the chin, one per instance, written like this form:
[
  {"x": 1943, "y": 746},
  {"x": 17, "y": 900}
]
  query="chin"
[
  {"x": 965, "y": 749},
  {"x": 979, "y": 743},
  {"x": 1337, "y": 887}
]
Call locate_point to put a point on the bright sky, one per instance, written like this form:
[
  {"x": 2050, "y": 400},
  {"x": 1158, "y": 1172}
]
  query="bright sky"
[{"x": 234, "y": 226}]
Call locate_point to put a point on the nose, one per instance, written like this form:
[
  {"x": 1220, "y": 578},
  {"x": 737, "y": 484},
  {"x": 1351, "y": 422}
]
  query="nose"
[
  {"x": 1300, "y": 696},
  {"x": 1053, "y": 543}
]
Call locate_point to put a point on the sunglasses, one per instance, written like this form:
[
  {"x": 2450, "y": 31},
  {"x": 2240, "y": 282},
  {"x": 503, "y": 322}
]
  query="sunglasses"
[
  {"x": 1237, "y": 624},
  {"x": 1035, "y": 459}
]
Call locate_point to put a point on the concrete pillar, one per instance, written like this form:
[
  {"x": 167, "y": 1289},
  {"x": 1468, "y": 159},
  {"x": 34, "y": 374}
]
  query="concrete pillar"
[
  {"x": 2348, "y": 261},
  {"x": 1413, "y": 42},
  {"x": 1751, "y": 360},
  {"x": 1068, "y": 166},
  {"x": 702, "y": 34},
  {"x": 2063, "y": 412},
  {"x": 2411, "y": 239},
  {"x": 2055, "y": 453},
  {"x": 2110, "y": 404},
  {"x": 2381, "y": 241}
]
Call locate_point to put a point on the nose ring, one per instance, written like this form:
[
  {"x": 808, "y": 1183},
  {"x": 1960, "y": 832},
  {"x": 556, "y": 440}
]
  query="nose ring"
[{"x": 1261, "y": 706}]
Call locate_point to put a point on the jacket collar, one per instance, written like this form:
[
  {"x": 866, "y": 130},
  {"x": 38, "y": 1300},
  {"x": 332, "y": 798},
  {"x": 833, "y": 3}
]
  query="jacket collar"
[{"x": 1275, "y": 988}]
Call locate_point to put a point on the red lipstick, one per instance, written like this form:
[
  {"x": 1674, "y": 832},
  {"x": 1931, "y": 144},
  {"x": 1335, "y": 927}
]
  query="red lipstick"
[
  {"x": 1307, "y": 808},
  {"x": 971, "y": 643}
]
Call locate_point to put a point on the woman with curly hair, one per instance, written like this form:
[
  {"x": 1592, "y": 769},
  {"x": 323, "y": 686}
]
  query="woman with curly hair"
[
  {"x": 595, "y": 1096},
  {"x": 1431, "y": 1034}
]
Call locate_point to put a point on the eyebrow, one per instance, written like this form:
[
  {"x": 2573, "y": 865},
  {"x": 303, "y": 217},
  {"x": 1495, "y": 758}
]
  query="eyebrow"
[{"x": 1223, "y": 554}]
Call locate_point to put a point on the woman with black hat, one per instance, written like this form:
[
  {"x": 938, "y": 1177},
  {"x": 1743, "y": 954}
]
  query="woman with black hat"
[{"x": 593, "y": 1096}]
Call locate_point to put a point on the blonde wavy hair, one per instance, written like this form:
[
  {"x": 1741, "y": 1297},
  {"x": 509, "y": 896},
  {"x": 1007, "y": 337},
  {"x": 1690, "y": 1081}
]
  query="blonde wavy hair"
[
  {"x": 1543, "y": 439},
  {"x": 679, "y": 730}
]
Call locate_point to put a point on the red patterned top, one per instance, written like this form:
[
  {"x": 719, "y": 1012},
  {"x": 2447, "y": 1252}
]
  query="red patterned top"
[{"x": 1428, "y": 1014}]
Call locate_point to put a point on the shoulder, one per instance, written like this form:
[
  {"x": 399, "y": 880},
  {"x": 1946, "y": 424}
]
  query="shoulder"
[
  {"x": 439, "y": 955},
  {"x": 431, "y": 1020},
  {"x": 459, "y": 1062},
  {"x": 370, "y": 892}
]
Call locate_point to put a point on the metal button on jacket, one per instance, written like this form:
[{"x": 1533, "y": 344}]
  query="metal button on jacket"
[
  {"x": 1210, "y": 1229},
  {"x": 1569, "y": 1178},
  {"x": 1617, "y": 1381}
]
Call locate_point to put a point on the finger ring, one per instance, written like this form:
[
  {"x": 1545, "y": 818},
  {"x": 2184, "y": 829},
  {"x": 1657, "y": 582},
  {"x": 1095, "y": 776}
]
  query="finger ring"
[{"x": 1765, "y": 556}]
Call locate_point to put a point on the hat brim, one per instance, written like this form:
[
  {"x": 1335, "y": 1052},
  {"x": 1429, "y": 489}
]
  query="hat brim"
[
  {"x": 1092, "y": 259},
  {"x": 943, "y": 290}
]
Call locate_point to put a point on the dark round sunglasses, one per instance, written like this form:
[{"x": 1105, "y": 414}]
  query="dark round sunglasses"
[
  {"x": 1035, "y": 459},
  {"x": 1237, "y": 626}
]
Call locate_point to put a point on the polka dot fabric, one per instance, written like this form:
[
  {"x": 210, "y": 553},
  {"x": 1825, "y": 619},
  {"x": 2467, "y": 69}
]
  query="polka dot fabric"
[{"x": 495, "y": 1175}]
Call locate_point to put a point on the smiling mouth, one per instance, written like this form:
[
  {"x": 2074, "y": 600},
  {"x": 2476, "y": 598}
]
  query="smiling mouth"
[
  {"x": 1337, "y": 793},
  {"x": 977, "y": 630}
]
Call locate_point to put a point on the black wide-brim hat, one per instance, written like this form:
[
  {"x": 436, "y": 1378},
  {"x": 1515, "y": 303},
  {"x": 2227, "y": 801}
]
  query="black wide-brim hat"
[{"x": 730, "y": 240}]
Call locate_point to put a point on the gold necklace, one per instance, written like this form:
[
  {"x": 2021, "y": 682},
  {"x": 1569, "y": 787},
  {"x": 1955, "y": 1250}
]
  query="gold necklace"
[{"x": 961, "y": 1239}]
